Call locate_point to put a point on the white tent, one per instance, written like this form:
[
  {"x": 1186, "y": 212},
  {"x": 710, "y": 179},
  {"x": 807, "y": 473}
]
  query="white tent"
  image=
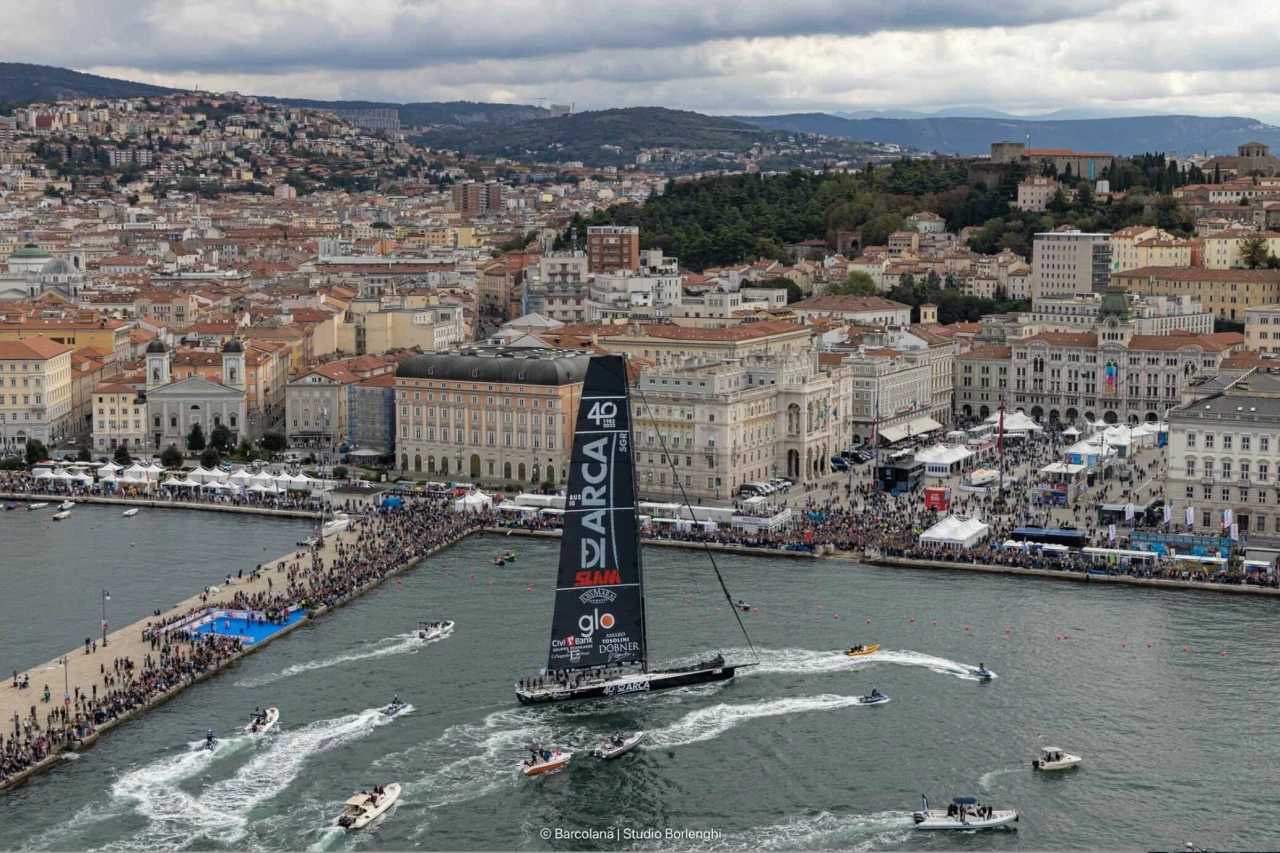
[
  {"x": 215, "y": 486},
  {"x": 240, "y": 477},
  {"x": 61, "y": 475},
  {"x": 943, "y": 460},
  {"x": 1015, "y": 422},
  {"x": 82, "y": 478},
  {"x": 109, "y": 470},
  {"x": 260, "y": 488},
  {"x": 154, "y": 471},
  {"x": 263, "y": 478},
  {"x": 1070, "y": 432},
  {"x": 181, "y": 482},
  {"x": 135, "y": 472},
  {"x": 955, "y": 532},
  {"x": 301, "y": 482},
  {"x": 42, "y": 474},
  {"x": 473, "y": 502},
  {"x": 202, "y": 474}
]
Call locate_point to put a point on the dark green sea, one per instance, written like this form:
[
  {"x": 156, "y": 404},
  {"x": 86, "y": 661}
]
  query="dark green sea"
[{"x": 1178, "y": 746}]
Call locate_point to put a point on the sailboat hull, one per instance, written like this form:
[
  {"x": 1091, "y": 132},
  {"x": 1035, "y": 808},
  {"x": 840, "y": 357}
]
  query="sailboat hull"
[{"x": 648, "y": 682}]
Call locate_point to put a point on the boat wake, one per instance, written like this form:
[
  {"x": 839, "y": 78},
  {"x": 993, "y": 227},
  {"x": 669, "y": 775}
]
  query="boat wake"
[
  {"x": 985, "y": 780},
  {"x": 220, "y": 812},
  {"x": 398, "y": 645},
  {"x": 812, "y": 662},
  {"x": 709, "y": 723}
]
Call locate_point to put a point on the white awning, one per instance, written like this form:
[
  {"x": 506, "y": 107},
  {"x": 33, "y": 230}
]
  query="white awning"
[{"x": 919, "y": 426}]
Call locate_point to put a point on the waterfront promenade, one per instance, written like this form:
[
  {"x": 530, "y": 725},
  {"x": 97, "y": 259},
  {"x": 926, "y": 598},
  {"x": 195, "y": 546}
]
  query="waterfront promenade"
[
  {"x": 348, "y": 564},
  {"x": 159, "y": 503}
]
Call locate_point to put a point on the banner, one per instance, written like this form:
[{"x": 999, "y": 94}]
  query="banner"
[
  {"x": 1235, "y": 531},
  {"x": 1191, "y": 516},
  {"x": 1111, "y": 532},
  {"x": 1168, "y": 514},
  {"x": 1227, "y": 517},
  {"x": 1128, "y": 512}
]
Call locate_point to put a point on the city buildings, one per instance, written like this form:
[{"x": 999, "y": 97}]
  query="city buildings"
[
  {"x": 1035, "y": 193},
  {"x": 1069, "y": 261},
  {"x": 863, "y": 310},
  {"x": 176, "y": 406},
  {"x": 495, "y": 416},
  {"x": 1262, "y": 328},
  {"x": 472, "y": 198},
  {"x": 119, "y": 414}
]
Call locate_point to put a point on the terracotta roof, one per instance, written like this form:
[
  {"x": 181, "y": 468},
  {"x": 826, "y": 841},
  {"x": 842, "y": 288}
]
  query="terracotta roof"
[
  {"x": 989, "y": 352},
  {"x": 1218, "y": 342},
  {"x": 1065, "y": 339},
  {"x": 35, "y": 349},
  {"x": 848, "y": 303}
]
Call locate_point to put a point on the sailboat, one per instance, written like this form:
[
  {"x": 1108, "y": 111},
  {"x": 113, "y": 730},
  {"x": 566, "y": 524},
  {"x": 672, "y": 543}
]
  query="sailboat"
[{"x": 599, "y": 646}]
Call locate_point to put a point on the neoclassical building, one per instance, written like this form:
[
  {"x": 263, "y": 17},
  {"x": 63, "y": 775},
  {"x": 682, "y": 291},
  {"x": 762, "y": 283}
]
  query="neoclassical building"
[
  {"x": 33, "y": 272},
  {"x": 173, "y": 408},
  {"x": 1108, "y": 373}
]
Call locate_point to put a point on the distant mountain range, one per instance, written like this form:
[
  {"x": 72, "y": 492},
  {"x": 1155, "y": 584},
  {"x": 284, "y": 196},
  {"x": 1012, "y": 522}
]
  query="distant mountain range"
[
  {"x": 970, "y": 136},
  {"x": 513, "y": 129}
]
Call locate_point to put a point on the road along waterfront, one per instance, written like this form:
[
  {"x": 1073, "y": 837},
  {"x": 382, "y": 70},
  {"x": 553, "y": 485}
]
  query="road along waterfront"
[{"x": 778, "y": 758}]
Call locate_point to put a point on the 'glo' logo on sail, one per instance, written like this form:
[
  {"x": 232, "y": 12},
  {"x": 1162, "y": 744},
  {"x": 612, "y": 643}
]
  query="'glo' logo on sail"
[{"x": 589, "y": 622}]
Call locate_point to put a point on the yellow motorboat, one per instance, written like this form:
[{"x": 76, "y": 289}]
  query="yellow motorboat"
[{"x": 859, "y": 651}]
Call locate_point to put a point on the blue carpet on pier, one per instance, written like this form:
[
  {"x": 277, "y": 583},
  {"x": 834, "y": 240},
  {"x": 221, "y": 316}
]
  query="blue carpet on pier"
[{"x": 231, "y": 626}]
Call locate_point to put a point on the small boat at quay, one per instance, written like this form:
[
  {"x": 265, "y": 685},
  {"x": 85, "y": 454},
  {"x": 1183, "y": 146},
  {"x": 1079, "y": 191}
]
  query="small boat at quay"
[
  {"x": 40, "y": 505},
  {"x": 130, "y": 513},
  {"x": 67, "y": 505},
  {"x": 60, "y": 516}
]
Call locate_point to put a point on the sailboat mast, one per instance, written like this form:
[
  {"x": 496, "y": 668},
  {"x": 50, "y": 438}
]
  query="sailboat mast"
[{"x": 635, "y": 500}]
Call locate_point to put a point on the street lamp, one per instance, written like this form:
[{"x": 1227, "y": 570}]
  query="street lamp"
[{"x": 106, "y": 596}]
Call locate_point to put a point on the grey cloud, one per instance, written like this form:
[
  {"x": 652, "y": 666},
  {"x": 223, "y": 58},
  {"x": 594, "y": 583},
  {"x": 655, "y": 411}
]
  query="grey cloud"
[{"x": 237, "y": 36}]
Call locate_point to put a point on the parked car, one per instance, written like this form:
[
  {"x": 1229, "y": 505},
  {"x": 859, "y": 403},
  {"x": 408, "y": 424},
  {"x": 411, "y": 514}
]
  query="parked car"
[{"x": 839, "y": 463}]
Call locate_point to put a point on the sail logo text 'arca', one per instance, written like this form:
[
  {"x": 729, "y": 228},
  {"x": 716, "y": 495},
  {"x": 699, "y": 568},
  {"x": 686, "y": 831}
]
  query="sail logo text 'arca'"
[{"x": 595, "y": 494}]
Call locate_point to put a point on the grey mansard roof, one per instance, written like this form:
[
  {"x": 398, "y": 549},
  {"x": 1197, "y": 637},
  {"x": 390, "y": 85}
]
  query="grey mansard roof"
[{"x": 538, "y": 367}]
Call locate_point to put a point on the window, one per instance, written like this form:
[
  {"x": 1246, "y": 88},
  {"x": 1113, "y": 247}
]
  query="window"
[
  {"x": 1208, "y": 440},
  {"x": 1264, "y": 444},
  {"x": 1263, "y": 470},
  {"x": 1244, "y": 442},
  {"x": 1226, "y": 469},
  {"x": 1226, "y": 442},
  {"x": 1191, "y": 467},
  {"x": 1191, "y": 492},
  {"x": 1205, "y": 519},
  {"x": 1226, "y": 494},
  {"x": 1191, "y": 440},
  {"x": 1244, "y": 469}
]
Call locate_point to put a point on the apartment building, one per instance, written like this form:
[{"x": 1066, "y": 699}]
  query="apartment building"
[
  {"x": 1225, "y": 293},
  {"x": 1034, "y": 193},
  {"x": 1070, "y": 261},
  {"x": 119, "y": 419},
  {"x": 494, "y": 416},
  {"x": 613, "y": 247},
  {"x": 35, "y": 392}
]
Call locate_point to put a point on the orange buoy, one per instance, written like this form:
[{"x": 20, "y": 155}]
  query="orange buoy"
[
  {"x": 837, "y": 616},
  {"x": 473, "y": 577},
  {"x": 1223, "y": 653},
  {"x": 717, "y": 609},
  {"x": 912, "y": 619},
  {"x": 1008, "y": 630},
  {"x": 1184, "y": 648},
  {"x": 1123, "y": 645},
  {"x": 688, "y": 601},
  {"x": 399, "y": 581},
  {"x": 446, "y": 574},
  {"x": 1066, "y": 636},
  {"x": 1148, "y": 645},
  {"x": 819, "y": 606},
  {"x": 490, "y": 583},
  {"x": 966, "y": 627},
  {"x": 935, "y": 621},
  {"x": 868, "y": 621},
  {"x": 755, "y": 610}
]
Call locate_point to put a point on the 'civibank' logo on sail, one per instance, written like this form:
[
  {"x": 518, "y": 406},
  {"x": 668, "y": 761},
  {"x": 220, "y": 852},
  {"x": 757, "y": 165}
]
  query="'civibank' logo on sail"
[{"x": 595, "y": 493}]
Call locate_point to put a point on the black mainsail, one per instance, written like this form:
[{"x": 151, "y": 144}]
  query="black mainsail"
[
  {"x": 599, "y": 610},
  {"x": 598, "y": 644}
]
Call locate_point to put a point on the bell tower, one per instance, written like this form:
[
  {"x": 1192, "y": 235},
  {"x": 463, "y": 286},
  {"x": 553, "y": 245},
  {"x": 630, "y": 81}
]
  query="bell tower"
[
  {"x": 157, "y": 364},
  {"x": 233, "y": 364}
]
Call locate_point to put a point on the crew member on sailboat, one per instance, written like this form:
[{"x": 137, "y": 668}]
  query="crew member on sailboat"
[{"x": 598, "y": 643}]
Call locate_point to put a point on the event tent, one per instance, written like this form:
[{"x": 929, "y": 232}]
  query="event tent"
[
  {"x": 473, "y": 502},
  {"x": 955, "y": 532}
]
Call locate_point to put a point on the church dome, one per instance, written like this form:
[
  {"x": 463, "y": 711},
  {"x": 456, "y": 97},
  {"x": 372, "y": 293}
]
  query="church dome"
[
  {"x": 233, "y": 345},
  {"x": 156, "y": 347},
  {"x": 58, "y": 266},
  {"x": 29, "y": 259}
]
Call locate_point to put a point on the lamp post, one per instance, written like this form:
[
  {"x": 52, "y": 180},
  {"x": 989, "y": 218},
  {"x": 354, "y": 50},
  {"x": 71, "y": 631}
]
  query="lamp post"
[{"x": 106, "y": 596}]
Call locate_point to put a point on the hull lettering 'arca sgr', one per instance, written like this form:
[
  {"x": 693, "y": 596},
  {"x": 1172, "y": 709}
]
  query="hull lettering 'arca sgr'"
[{"x": 598, "y": 642}]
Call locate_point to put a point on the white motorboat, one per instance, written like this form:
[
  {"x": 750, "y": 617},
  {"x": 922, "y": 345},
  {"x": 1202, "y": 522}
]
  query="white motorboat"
[
  {"x": 364, "y": 806},
  {"x": 263, "y": 724},
  {"x": 67, "y": 505},
  {"x": 59, "y": 516},
  {"x": 614, "y": 749},
  {"x": 433, "y": 630},
  {"x": 548, "y": 761},
  {"x": 130, "y": 513},
  {"x": 41, "y": 505},
  {"x": 1053, "y": 758},
  {"x": 340, "y": 522},
  {"x": 964, "y": 813}
]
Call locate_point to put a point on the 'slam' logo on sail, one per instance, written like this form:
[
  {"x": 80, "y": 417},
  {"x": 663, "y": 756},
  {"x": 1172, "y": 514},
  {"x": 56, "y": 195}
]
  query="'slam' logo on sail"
[
  {"x": 598, "y": 578},
  {"x": 594, "y": 495}
]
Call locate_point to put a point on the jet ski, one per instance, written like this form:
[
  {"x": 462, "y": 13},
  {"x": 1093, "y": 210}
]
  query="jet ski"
[
  {"x": 875, "y": 697},
  {"x": 618, "y": 747},
  {"x": 260, "y": 723},
  {"x": 860, "y": 651},
  {"x": 210, "y": 741},
  {"x": 397, "y": 705},
  {"x": 743, "y": 606},
  {"x": 982, "y": 673}
]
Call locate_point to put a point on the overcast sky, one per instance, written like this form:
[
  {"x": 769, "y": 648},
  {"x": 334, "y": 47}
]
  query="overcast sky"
[{"x": 717, "y": 56}]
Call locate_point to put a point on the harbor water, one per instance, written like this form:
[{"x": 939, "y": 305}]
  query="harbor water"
[{"x": 1178, "y": 745}]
